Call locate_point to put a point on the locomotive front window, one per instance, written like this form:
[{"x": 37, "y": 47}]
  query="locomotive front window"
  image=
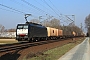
[
  {"x": 25, "y": 27},
  {"x": 19, "y": 27},
  {"x": 22, "y": 27}
]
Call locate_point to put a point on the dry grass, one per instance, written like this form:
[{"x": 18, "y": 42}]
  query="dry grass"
[{"x": 6, "y": 41}]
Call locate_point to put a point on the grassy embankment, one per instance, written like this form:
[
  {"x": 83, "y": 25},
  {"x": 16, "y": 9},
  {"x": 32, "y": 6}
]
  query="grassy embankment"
[{"x": 53, "y": 54}]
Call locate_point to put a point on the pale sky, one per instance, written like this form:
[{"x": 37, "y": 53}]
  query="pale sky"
[{"x": 12, "y": 11}]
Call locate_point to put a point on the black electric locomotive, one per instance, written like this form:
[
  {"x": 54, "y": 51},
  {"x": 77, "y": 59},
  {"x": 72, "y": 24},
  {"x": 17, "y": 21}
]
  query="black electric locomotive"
[{"x": 30, "y": 32}]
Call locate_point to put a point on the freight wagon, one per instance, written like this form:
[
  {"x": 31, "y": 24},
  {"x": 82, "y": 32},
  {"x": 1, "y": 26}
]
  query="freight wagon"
[
  {"x": 52, "y": 33},
  {"x": 60, "y": 33}
]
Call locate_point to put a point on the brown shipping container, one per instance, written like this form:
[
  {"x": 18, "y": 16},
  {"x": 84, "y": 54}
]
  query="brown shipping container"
[
  {"x": 60, "y": 32},
  {"x": 52, "y": 31}
]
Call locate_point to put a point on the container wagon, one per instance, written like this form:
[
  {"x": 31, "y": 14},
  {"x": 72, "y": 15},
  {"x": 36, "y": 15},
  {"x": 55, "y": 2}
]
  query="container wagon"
[
  {"x": 60, "y": 33},
  {"x": 52, "y": 33}
]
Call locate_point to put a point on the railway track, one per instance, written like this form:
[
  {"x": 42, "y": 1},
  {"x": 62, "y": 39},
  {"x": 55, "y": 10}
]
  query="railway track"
[
  {"x": 19, "y": 50},
  {"x": 23, "y": 45}
]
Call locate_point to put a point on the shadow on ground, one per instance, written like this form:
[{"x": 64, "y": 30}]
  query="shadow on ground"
[{"x": 10, "y": 56}]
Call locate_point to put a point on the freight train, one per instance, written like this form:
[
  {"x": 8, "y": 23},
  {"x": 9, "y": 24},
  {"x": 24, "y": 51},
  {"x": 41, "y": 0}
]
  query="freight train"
[{"x": 35, "y": 32}]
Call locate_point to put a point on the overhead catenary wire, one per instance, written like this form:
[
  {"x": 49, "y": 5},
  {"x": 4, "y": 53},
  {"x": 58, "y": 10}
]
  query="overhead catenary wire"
[
  {"x": 50, "y": 7},
  {"x": 53, "y": 10},
  {"x": 12, "y": 9},
  {"x": 34, "y": 7},
  {"x": 24, "y": 6},
  {"x": 59, "y": 11},
  {"x": 9, "y": 10},
  {"x": 28, "y": 7},
  {"x": 21, "y": 11},
  {"x": 55, "y": 7},
  {"x": 15, "y": 1},
  {"x": 41, "y": 4},
  {"x": 69, "y": 19}
]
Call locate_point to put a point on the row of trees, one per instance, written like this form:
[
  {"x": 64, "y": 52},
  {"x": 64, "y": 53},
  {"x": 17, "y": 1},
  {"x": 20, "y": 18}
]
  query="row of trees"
[{"x": 55, "y": 23}]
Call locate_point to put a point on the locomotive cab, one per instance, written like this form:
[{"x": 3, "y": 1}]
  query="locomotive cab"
[{"x": 22, "y": 32}]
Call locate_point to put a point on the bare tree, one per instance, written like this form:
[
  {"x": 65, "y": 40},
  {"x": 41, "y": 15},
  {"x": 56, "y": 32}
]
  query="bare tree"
[
  {"x": 87, "y": 23},
  {"x": 11, "y": 30},
  {"x": 55, "y": 23},
  {"x": 35, "y": 21},
  {"x": 2, "y": 28},
  {"x": 70, "y": 28},
  {"x": 46, "y": 23}
]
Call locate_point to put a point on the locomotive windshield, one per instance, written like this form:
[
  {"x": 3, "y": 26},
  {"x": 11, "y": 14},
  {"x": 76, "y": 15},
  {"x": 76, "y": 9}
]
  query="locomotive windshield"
[{"x": 22, "y": 27}]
